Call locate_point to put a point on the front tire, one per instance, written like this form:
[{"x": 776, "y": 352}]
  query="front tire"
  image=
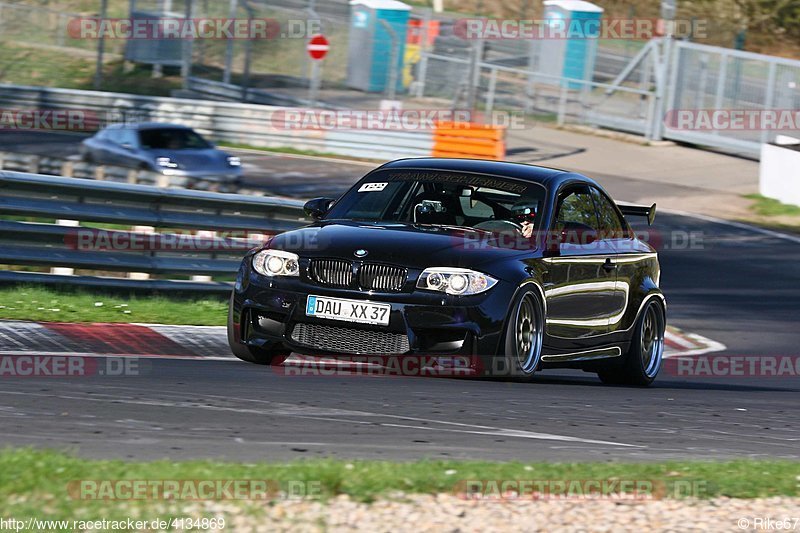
[
  {"x": 523, "y": 340},
  {"x": 642, "y": 362},
  {"x": 253, "y": 354}
]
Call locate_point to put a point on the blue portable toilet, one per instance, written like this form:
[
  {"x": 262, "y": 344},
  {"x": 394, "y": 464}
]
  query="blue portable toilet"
[
  {"x": 370, "y": 45},
  {"x": 572, "y": 56}
]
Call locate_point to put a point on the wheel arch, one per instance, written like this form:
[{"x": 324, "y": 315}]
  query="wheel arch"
[{"x": 523, "y": 285}]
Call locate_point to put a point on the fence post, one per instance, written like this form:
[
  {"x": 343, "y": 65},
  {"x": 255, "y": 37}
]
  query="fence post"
[
  {"x": 204, "y": 234},
  {"x": 562, "y": 105},
  {"x": 721, "y": 81},
  {"x": 491, "y": 91},
  {"x": 67, "y": 169},
  {"x": 530, "y": 86},
  {"x": 474, "y": 73},
  {"x": 391, "y": 90},
  {"x": 33, "y": 165},
  {"x": 769, "y": 97},
  {"x": 666, "y": 65},
  {"x": 188, "y": 49},
  {"x": 422, "y": 73},
  {"x": 650, "y": 124},
  {"x": 226, "y": 75},
  {"x": 147, "y": 230},
  {"x": 65, "y": 271},
  {"x": 60, "y": 29}
]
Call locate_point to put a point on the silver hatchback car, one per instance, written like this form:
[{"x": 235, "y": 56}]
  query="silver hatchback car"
[{"x": 170, "y": 149}]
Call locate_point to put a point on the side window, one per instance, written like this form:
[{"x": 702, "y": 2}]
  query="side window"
[
  {"x": 576, "y": 211},
  {"x": 129, "y": 137},
  {"x": 611, "y": 227},
  {"x": 114, "y": 136}
]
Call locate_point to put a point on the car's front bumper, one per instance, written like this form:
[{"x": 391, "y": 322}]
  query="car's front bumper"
[
  {"x": 223, "y": 175},
  {"x": 269, "y": 313}
]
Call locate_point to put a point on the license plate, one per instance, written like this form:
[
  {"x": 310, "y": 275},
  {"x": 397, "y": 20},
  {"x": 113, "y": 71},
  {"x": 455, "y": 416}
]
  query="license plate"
[{"x": 348, "y": 310}]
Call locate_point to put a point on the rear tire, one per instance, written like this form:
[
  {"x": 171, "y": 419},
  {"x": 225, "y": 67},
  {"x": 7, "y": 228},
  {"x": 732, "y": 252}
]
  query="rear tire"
[{"x": 642, "y": 361}]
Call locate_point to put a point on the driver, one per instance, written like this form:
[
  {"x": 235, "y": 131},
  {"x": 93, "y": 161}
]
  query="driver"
[{"x": 523, "y": 214}]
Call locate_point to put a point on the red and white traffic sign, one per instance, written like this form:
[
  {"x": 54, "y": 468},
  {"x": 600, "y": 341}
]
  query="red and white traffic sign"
[{"x": 317, "y": 46}]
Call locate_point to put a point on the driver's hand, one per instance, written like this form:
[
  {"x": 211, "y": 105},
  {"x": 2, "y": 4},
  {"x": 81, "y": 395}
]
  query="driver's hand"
[{"x": 527, "y": 230}]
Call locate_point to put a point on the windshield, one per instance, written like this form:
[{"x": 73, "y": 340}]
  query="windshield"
[
  {"x": 171, "y": 139},
  {"x": 442, "y": 198}
]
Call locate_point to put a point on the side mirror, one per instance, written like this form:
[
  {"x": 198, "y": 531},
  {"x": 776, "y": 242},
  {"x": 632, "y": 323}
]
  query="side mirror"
[{"x": 318, "y": 207}]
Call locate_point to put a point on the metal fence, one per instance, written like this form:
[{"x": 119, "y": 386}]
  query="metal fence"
[
  {"x": 552, "y": 98},
  {"x": 632, "y": 85},
  {"x": 97, "y": 229},
  {"x": 280, "y": 63},
  {"x": 713, "y": 78}
]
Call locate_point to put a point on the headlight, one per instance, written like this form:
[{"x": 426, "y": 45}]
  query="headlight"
[
  {"x": 166, "y": 162},
  {"x": 234, "y": 161},
  {"x": 276, "y": 263},
  {"x": 458, "y": 281}
]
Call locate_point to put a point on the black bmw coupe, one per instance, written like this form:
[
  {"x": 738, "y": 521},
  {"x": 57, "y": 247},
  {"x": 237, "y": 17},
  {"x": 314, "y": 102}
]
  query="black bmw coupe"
[{"x": 516, "y": 267}]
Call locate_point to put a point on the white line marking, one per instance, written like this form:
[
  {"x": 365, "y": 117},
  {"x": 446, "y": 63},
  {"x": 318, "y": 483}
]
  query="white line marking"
[
  {"x": 677, "y": 339},
  {"x": 703, "y": 345},
  {"x": 296, "y": 411}
]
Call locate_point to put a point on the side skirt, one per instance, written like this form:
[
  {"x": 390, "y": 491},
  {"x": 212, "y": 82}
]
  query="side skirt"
[{"x": 608, "y": 352}]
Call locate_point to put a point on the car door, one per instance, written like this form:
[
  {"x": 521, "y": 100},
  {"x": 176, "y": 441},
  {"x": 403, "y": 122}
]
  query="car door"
[
  {"x": 635, "y": 262},
  {"x": 122, "y": 148},
  {"x": 580, "y": 284},
  {"x": 108, "y": 142},
  {"x": 616, "y": 233}
]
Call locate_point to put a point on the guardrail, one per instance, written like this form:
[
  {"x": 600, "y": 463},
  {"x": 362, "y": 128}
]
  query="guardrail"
[
  {"x": 244, "y": 124},
  {"x": 83, "y": 224},
  {"x": 74, "y": 168}
]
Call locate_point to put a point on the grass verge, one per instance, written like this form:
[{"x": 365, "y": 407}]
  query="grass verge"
[
  {"x": 772, "y": 214},
  {"x": 770, "y": 207},
  {"x": 50, "y": 305},
  {"x": 35, "y": 482}
]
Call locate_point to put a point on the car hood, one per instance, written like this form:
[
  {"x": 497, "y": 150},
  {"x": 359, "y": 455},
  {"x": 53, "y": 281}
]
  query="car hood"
[
  {"x": 194, "y": 159},
  {"x": 409, "y": 245}
]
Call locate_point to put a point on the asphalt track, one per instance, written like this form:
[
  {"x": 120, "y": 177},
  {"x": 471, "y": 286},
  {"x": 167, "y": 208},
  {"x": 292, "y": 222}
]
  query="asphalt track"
[{"x": 735, "y": 285}]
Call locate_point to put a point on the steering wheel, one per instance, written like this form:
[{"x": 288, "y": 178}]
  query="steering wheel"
[{"x": 499, "y": 225}]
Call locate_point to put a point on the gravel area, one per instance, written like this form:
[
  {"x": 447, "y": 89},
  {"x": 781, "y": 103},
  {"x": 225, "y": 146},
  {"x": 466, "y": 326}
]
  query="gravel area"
[{"x": 448, "y": 513}]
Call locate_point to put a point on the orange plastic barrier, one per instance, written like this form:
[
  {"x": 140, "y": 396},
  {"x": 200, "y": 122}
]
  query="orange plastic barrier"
[
  {"x": 416, "y": 32},
  {"x": 470, "y": 140}
]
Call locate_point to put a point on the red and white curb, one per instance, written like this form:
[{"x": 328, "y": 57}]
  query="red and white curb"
[{"x": 193, "y": 342}]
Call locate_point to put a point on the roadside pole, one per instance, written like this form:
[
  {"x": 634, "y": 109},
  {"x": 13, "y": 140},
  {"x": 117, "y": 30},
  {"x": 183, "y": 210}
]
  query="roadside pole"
[
  {"x": 101, "y": 47},
  {"x": 317, "y": 48}
]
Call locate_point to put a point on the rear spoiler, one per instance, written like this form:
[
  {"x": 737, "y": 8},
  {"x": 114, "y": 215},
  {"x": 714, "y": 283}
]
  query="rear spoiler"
[{"x": 639, "y": 211}]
